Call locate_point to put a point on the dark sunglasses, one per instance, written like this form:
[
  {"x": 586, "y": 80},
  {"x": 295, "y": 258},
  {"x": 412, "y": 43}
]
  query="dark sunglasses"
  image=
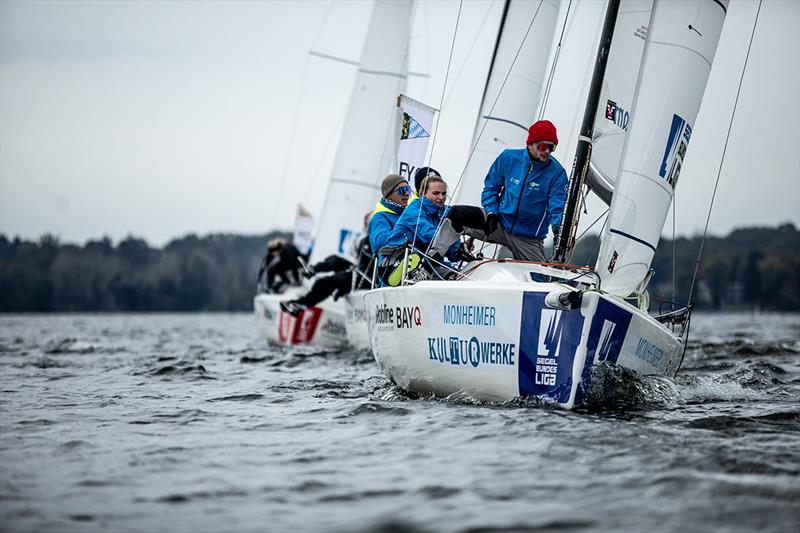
[
  {"x": 403, "y": 189},
  {"x": 542, "y": 147}
]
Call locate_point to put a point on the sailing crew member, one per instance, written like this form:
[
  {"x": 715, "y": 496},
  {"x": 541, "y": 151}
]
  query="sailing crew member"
[
  {"x": 419, "y": 222},
  {"x": 282, "y": 264},
  {"x": 419, "y": 175},
  {"x": 395, "y": 194},
  {"x": 524, "y": 192},
  {"x": 378, "y": 224}
]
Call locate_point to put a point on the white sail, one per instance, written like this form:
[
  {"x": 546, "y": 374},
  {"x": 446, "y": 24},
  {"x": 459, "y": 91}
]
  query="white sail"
[
  {"x": 616, "y": 100},
  {"x": 507, "y": 121},
  {"x": 367, "y": 144},
  {"x": 680, "y": 47}
]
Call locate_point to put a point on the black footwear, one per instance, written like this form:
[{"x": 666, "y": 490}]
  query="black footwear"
[
  {"x": 463, "y": 254},
  {"x": 292, "y": 307}
]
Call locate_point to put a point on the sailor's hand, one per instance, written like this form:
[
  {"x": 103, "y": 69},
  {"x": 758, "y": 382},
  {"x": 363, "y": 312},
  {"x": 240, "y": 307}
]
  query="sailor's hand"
[
  {"x": 492, "y": 221},
  {"x": 556, "y": 232}
]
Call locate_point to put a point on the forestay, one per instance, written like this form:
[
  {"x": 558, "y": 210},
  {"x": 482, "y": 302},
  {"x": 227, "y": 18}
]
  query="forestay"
[
  {"x": 680, "y": 47},
  {"x": 367, "y": 144},
  {"x": 504, "y": 120}
]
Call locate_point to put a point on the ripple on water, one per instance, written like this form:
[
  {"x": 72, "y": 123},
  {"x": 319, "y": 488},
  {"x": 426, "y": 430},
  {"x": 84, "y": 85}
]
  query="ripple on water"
[
  {"x": 181, "y": 370},
  {"x": 375, "y": 409},
  {"x": 237, "y": 398}
]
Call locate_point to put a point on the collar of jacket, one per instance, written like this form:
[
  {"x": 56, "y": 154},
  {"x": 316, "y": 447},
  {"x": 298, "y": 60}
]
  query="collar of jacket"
[
  {"x": 385, "y": 205},
  {"x": 536, "y": 162},
  {"x": 429, "y": 207}
]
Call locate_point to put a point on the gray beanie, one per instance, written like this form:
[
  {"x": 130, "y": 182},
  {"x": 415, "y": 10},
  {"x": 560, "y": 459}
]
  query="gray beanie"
[{"x": 389, "y": 183}]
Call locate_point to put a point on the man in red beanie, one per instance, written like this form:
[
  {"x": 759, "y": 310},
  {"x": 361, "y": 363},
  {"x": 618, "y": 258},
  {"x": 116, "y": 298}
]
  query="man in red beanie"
[{"x": 523, "y": 194}]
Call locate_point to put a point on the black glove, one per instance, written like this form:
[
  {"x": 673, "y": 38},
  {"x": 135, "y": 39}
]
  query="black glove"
[
  {"x": 463, "y": 254},
  {"x": 492, "y": 221}
]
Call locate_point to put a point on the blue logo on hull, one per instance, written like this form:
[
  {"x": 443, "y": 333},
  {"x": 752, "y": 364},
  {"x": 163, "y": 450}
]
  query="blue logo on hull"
[
  {"x": 548, "y": 342},
  {"x": 606, "y": 335}
]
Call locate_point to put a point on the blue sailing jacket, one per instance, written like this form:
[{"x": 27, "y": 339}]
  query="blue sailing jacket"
[
  {"x": 528, "y": 195},
  {"x": 429, "y": 219},
  {"x": 382, "y": 222}
]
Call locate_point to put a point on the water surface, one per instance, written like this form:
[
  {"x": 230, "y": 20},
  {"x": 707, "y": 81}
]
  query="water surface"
[{"x": 192, "y": 423}]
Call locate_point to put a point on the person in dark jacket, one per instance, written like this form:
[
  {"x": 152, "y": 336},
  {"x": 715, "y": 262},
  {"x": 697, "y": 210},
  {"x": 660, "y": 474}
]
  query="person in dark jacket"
[
  {"x": 281, "y": 264},
  {"x": 337, "y": 284},
  {"x": 395, "y": 193},
  {"x": 418, "y": 223},
  {"x": 523, "y": 195}
]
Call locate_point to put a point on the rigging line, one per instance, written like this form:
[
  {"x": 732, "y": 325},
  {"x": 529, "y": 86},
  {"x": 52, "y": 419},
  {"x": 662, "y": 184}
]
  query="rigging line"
[
  {"x": 290, "y": 148},
  {"x": 469, "y": 54},
  {"x": 293, "y": 134},
  {"x": 724, "y": 150},
  {"x": 604, "y": 213},
  {"x": 436, "y": 129},
  {"x": 674, "y": 203},
  {"x": 491, "y": 110},
  {"x": 552, "y": 74},
  {"x": 499, "y": 92}
]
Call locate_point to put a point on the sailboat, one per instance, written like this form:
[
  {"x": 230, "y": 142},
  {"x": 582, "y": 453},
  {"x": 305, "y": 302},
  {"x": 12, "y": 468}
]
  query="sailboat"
[
  {"x": 364, "y": 154},
  {"x": 509, "y": 329}
]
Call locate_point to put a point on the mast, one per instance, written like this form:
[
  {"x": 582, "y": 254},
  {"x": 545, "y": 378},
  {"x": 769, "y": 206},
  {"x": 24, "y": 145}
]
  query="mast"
[{"x": 583, "y": 153}]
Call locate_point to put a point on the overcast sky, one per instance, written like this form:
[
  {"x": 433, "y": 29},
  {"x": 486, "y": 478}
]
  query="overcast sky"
[{"x": 158, "y": 119}]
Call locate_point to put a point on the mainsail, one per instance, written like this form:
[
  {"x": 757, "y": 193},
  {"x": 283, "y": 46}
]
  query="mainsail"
[
  {"x": 367, "y": 143},
  {"x": 504, "y": 120},
  {"x": 680, "y": 47}
]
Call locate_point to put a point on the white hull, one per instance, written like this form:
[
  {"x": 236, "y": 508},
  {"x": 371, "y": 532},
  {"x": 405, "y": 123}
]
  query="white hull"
[
  {"x": 356, "y": 320},
  {"x": 322, "y": 326},
  {"x": 496, "y": 339}
]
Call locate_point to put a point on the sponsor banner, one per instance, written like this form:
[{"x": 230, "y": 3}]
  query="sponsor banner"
[
  {"x": 472, "y": 352},
  {"x": 415, "y": 125},
  {"x": 397, "y": 317},
  {"x": 607, "y": 333},
  {"x": 679, "y": 134},
  {"x": 549, "y": 340},
  {"x": 298, "y": 330},
  {"x": 617, "y": 114}
]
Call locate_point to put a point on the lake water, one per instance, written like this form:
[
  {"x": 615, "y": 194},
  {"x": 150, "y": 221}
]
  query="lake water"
[{"x": 191, "y": 423}]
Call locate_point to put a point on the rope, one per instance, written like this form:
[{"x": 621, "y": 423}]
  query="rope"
[
  {"x": 552, "y": 74},
  {"x": 469, "y": 54},
  {"x": 293, "y": 134},
  {"x": 604, "y": 213},
  {"x": 674, "y": 206},
  {"x": 441, "y": 101},
  {"x": 724, "y": 150},
  {"x": 502, "y": 86},
  {"x": 491, "y": 110}
]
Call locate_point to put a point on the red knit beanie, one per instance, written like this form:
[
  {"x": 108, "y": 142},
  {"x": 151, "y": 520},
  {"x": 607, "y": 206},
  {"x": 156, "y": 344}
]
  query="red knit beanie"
[{"x": 542, "y": 130}]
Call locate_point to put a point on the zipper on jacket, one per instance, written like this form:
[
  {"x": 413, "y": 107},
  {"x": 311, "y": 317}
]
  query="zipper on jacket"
[{"x": 519, "y": 200}]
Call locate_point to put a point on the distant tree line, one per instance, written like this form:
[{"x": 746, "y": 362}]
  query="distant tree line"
[
  {"x": 750, "y": 268},
  {"x": 212, "y": 273}
]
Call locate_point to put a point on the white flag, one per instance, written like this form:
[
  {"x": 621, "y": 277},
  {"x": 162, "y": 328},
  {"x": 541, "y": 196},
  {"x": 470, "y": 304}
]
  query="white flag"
[
  {"x": 303, "y": 230},
  {"x": 415, "y": 125}
]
